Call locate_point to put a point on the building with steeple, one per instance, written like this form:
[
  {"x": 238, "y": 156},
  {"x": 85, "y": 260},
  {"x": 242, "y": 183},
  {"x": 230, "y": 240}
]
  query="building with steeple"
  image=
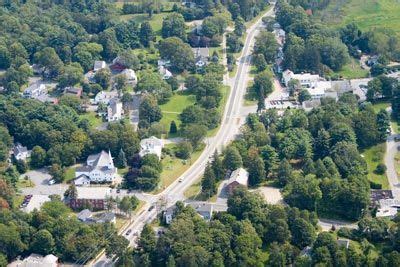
[{"x": 99, "y": 169}]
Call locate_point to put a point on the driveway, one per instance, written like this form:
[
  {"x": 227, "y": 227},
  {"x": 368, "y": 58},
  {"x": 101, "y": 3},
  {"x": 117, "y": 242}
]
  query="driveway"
[
  {"x": 41, "y": 180},
  {"x": 391, "y": 150}
]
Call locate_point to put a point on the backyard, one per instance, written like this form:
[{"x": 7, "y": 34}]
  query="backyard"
[{"x": 374, "y": 156}]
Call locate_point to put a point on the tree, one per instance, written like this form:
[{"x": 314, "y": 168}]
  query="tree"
[
  {"x": 303, "y": 193},
  {"x": 103, "y": 78},
  {"x": 146, "y": 34},
  {"x": 128, "y": 204},
  {"x": 43, "y": 242},
  {"x": 240, "y": 26},
  {"x": 10, "y": 241},
  {"x": 71, "y": 192},
  {"x": 38, "y": 157},
  {"x": 304, "y": 95},
  {"x": 184, "y": 150},
  {"x": 232, "y": 159},
  {"x": 303, "y": 233},
  {"x": 121, "y": 161},
  {"x": 71, "y": 74},
  {"x": 149, "y": 110},
  {"x": 120, "y": 82},
  {"x": 55, "y": 209},
  {"x": 146, "y": 244},
  {"x": 5, "y": 58},
  {"x": 57, "y": 172},
  {"x": 194, "y": 133},
  {"x": 179, "y": 53},
  {"x": 276, "y": 257},
  {"x": 259, "y": 62},
  {"x": 218, "y": 167},
  {"x": 262, "y": 84},
  {"x": 383, "y": 124},
  {"x": 256, "y": 171},
  {"x": 284, "y": 175},
  {"x": 49, "y": 60},
  {"x": 208, "y": 183},
  {"x": 152, "y": 83},
  {"x": 174, "y": 25},
  {"x": 266, "y": 45},
  {"x": 12, "y": 88},
  {"x": 173, "y": 129}
]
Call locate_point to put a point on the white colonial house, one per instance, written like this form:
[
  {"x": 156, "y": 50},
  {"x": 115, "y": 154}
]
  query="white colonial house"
[
  {"x": 114, "y": 110},
  {"x": 21, "y": 152},
  {"x": 99, "y": 169},
  {"x": 306, "y": 80},
  {"x": 164, "y": 72},
  {"x": 130, "y": 75},
  {"x": 151, "y": 145},
  {"x": 98, "y": 65}
]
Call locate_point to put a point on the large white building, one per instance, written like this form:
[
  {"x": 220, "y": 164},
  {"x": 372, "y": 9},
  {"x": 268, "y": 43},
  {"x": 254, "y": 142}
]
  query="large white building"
[
  {"x": 104, "y": 97},
  {"x": 99, "y": 168},
  {"x": 306, "y": 80},
  {"x": 114, "y": 110},
  {"x": 151, "y": 145}
]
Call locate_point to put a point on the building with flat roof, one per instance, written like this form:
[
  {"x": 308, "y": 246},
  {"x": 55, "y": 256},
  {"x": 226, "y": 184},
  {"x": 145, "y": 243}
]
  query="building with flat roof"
[{"x": 306, "y": 80}]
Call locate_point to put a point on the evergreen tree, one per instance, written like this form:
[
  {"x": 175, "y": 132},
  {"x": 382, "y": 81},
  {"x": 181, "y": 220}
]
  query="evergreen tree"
[
  {"x": 383, "y": 124},
  {"x": 173, "y": 129},
  {"x": 121, "y": 159},
  {"x": 232, "y": 159},
  {"x": 256, "y": 171},
  {"x": 308, "y": 167},
  {"x": 218, "y": 167},
  {"x": 284, "y": 172},
  {"x": 146, "y": 34},
  {"x": 208, "y": 183}
]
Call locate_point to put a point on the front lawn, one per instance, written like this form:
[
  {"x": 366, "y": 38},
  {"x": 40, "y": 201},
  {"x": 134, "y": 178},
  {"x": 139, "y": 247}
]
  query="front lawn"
[
  {"x": 353, "y": 70},
  {"x": 374, "y": 156},
  {"x": 70, "y": 174},
  {"x": 174, "y": 167},
  {"x": 93, "y": 119}
]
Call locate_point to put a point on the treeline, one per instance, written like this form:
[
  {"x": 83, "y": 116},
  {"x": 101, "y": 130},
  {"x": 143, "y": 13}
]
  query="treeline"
[
  {"x": 314, "y": 156},
  {"x": 53, "y": 230}
]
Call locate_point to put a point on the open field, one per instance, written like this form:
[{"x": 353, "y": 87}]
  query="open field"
[
  {"x": 367, "y": 14},
  {"x": 174, "y": 167},
  {"x": 374, "y": 156},
  {"x": 171, "y": 110},
  {"x": 353, "y": 70},
  {"x": 93, "y": 119}
]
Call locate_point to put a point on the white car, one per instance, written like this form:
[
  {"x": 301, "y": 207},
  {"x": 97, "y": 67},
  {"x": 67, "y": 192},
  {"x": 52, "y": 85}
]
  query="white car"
[{"x": 52, "y": 181}]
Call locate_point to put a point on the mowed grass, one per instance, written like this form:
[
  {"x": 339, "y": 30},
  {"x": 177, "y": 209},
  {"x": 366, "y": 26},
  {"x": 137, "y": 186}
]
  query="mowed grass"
[
  {"x": 374, "y": 156},
  {"x": 177, "y": 103},
  {"x": 353, "y": 70},
  {"x": 93, "y": 119},
  {"x": 155, "y": 21},
  {"x": 174, "y": 167},
  {"x": 367, "y": 14}
]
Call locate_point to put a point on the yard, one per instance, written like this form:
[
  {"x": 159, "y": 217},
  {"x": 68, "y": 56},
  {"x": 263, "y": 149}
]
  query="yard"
[
  {"x": 177, "y": 103},
  {"x": 374, "y": 156},
  {"x": 353, "y": 70},
  {"x": 174, "y": 167},
  {"x": 93, "y": 119},
  {"x": 70, "y": 174},
  {"x": 384, "y": 105}
]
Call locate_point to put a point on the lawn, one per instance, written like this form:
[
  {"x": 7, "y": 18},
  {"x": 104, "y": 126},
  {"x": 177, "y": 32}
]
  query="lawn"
[
  {"x": 367, "y": 14},
  {"x": 383, "y": 105},
  {"x": 25, "y": 183},
  {"x": 174, "y": 167},
  {"x": 93, "y": 119},
  {"x": 353, "y": 70},
  {"x": 397, "y": 163},
  {"x": 177, "y": 103},
  {"x": 155, "y": 21},
  {"x": 374, "y": 156},
  {"x": 70, "y": 174}
]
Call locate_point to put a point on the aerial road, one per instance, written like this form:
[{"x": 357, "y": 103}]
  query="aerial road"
[{"x": 231, "y": 121}]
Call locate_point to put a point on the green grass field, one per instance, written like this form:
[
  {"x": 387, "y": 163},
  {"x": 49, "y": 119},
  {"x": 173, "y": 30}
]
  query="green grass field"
[
  {"x": 155, "y": 21},
  {"x": 177, "y": 103},
  {"x": 92, "y": 118},
  {"x": 373, "y": 156},
  {"x": 367, "y": 14},
  {"x": 353, "y": 70}
]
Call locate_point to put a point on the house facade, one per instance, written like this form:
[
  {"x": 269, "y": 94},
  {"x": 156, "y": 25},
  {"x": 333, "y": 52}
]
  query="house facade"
[
  {"x": 151, "y": 145},
  {"x": 239, "y": 177},
  {"x": 35, "y": 90},
  {"x": 114, "y": 110},
  {"x": 99, "y": 169},
  {"x": 21, "y": 152}
]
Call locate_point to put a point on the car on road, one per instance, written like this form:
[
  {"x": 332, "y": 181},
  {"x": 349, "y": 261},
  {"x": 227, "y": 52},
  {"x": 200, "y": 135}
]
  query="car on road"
[
  {"x": 151, "y": 208},
  {"x": 52, "y": 181},
  {"x": 128, "y": 232},
  {"x": 118, "y": 190},
  {"x": 180, "y": 180}
]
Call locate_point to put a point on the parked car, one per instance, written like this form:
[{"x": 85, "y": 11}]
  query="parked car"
[
  {"x": 151, "y": 208},
  {"x": 52, "y": 181},
  {"x": 128, "y": 232}
]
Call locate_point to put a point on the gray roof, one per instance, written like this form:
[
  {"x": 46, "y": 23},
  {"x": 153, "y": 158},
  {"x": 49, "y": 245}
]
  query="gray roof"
[
  {"x": 106, "y": 217},
  {"x": 84, "y": 215},
  {"x": 18, "y": 148},
  {"x": 203, "y": 52}
]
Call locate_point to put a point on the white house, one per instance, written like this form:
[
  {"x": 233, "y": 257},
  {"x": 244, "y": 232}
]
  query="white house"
[
  {"x": 151, "y": 145},
  {"x": 35, "y": 90},
  {"x": 104, "y": 97},
  {"x": 98, "y": 65},
  {"x": 306, "y": 80},
  {"x": 163, "y": 63},
  {"x": 130, "y": 75},
  {"x": 99, "y": 168},
  {"x": 21, "y": 152},
  {"x": 169, "y": 214},
  {"x": 319, "y": 89},
  {"x": 36, "y": 260},
  {"x": 82, "y": 180},
  {"x": 164, "y": 72},
  {"x": 201, "y": 55},
  {"x": 114, "y": 110}
]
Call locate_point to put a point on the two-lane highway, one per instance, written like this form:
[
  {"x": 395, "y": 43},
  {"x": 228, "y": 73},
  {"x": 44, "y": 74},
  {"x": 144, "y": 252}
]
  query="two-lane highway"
[{"x": 231, "y": 121}]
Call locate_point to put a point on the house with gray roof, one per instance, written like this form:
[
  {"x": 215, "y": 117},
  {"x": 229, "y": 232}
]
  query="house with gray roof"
[
  {"x": 114, "y": 110},
  {"x": 201, "y": 55},
  {"x": 21, "y": 152},
  {"x": 204, "y": 209},
  {"x": 99, "y": 168}
]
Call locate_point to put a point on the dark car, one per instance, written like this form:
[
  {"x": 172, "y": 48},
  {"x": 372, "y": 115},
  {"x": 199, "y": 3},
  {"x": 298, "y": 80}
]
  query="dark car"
[
  {"x": 128, "y": 232},
  {"x": 118, "y": 190},
  {"x": 151, "y": 208}
]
